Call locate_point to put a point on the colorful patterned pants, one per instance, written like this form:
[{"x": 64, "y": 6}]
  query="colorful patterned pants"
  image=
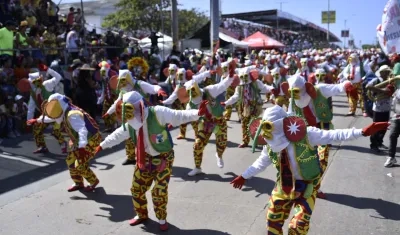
[
  {"x": 354, "y": 101},
  {"x": 110, "y": 120},
  {"x": 245, "y": 125},
  {"x": 279, "y": 207},
  {"x": 206, "y": 128},
  {"x": 38, "y": 134},
  {"x": 80, "y": 171},
  {"x": 177, "y": 105},
  {"x": 130, "y": 149},
  {"x": 323, "y": 152},
  {"x": 159, "y": 169},
  {"x": 182, "y": 129},
  {"x": 228, "y": 109}
]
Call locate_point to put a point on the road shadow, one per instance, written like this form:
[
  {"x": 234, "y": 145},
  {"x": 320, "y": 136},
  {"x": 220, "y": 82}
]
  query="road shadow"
[
  {"x": 151, "y": 226},
  {"x": 361, "y": 149},
  {"x": 38, "y": 173},
  {"x": 120, "y": 206},
  {"x": 388, "y": 210},
  {"x": 343, "y": 115},
  {"x": 257, "y": 184}
]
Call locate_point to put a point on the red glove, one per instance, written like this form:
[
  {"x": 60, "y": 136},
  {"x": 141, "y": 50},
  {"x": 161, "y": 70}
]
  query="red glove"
[
  {"x": 31, "y": 122},
  {"x": 161, "y": 92},
  {"x": 213, "y": 72},
  {"x": 223, "y": 104},
  {"x": 98, "y": 149},
  {"x": 238, "y": 182},
  {"x": 203, "y": 108},
  {"x": 105, "y": 115},
  {"x": 170, "y": 127},
  {"x": 375, "y": 127}
]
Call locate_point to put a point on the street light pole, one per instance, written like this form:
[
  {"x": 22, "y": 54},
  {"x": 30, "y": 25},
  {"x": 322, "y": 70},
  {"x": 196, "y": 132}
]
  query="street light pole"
[
  {"x": 344, "y": 38},
  {"x": 174, "y": 17},
  {"x": 214, "y": 24},
  {"x": 329, "y": 16}
]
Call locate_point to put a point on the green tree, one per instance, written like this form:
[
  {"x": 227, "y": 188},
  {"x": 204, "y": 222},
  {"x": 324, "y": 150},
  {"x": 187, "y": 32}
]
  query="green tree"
[{"x": 145, "y": 15}]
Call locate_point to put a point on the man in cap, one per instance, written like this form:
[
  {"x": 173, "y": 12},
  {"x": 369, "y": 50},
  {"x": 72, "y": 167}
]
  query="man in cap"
[{"x": 381, "y": 106}]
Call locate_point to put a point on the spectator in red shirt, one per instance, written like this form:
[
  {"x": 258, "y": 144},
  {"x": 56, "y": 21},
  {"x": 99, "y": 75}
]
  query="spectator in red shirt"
[{"x": 70, "y": 16}]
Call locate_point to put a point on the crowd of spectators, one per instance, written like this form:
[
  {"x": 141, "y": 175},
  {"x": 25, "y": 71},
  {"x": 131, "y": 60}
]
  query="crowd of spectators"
[
  {"x": 293, "y": 40},
  {"x": 34, "y": 35}
]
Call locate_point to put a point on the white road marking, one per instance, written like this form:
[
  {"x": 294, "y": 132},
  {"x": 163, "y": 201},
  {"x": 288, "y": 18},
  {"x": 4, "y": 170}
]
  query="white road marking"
[{"x": 42, "y": 161}]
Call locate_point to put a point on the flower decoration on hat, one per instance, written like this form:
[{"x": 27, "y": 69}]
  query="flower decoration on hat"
[{"x": 139, "y": 66}]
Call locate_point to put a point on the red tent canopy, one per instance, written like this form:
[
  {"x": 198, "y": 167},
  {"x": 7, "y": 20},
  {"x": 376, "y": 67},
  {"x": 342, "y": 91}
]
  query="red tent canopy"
[{"x": 261, "y": 40}]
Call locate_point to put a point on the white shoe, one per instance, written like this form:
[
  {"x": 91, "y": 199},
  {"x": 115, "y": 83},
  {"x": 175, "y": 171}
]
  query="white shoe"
[
  {"x": 390, "y": 161},
  {"x": 220, "y": 161},
  {"x": 195, "y": 171}
]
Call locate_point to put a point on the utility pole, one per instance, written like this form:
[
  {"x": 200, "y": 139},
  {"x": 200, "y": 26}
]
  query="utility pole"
[
  {"x": 174, "y": 17},
  {"x": 162, "y": 26},
  {"x": 214, "y": 24},
  {"x": 280, "y": 8},
  {"x": 329, "y": 16},
  {"x": 344, "y": 38}
]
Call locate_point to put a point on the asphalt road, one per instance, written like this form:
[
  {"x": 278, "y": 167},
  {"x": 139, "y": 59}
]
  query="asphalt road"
[{"x": 362, "y": 198}]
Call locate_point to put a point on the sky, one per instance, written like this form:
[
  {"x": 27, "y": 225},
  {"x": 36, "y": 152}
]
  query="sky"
[{"x": 361, "y": 16}]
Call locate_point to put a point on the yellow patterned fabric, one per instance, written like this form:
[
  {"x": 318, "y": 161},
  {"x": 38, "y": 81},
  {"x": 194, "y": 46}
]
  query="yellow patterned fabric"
[
  {"x": 354, "y": 101},
  {"x": 80, "y": 170},
  {"x": 130, "y": 149},
  {"x": 206, "y": 128},
  {"x": 109, "y": 120},
  {"x": 158, "y": 170},
  {"x": 279, "y": 207},
  {"x": 38, "y": 135}
]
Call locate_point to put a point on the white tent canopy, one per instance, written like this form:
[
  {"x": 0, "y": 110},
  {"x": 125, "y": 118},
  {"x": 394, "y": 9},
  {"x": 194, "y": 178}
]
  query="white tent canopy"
[
  {"x": 163, "y": 38},
  {"x": 234, "y": 41}
]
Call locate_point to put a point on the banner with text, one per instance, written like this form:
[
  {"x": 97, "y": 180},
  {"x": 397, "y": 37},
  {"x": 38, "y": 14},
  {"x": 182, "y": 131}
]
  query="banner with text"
[
  {"x": 329, "y": 17},
  {"x": 388, "y": 32}
]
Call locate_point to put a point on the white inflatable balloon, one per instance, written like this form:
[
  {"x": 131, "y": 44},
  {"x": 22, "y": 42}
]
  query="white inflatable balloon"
[{"x": 388, "y": 32}]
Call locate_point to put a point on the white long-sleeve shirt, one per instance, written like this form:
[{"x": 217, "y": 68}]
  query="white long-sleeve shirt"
[
  {"x": 49, "y": 85},
  {"x": 357, "y": 74},
  {"x": 146, "y": 88},
  {"x": 315, "y": 137},
  {"x": 199, "y": 78},
  {"x": 264, "y": 89},
  {"x": 214, "y": 90},
  {"x": 164, "y": 116}
]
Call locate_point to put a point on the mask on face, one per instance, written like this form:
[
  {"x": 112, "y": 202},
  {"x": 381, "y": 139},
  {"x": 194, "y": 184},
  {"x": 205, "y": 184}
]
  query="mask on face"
[
  {"x": 172, "y": 72},
  {"x": 320, "y": 77},
  {"x": 180, "y": 77},
  {"x": 244, "y": 78}
]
